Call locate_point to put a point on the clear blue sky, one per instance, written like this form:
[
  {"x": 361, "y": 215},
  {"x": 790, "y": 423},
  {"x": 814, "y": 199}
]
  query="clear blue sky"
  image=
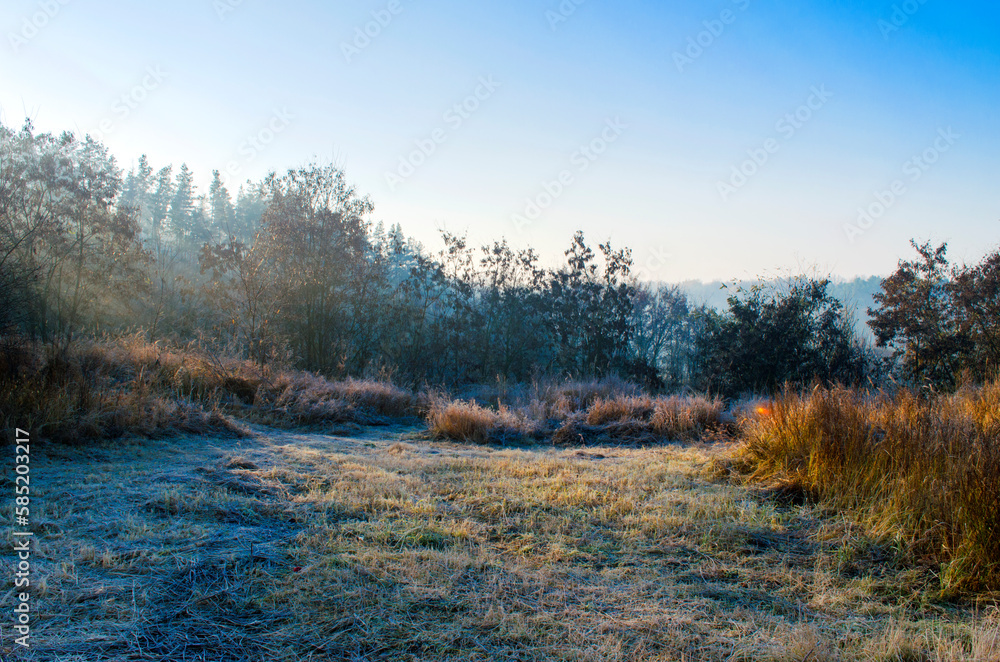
[{"x": 890, "y": 88}]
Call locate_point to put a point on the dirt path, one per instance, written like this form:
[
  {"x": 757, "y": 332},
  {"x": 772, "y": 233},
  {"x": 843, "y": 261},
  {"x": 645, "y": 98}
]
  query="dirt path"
[{"x": 383, "y": 545}]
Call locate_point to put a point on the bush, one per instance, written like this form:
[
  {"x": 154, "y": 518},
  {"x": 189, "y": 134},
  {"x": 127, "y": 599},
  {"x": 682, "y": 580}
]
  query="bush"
[
  {"x": 769, "y": 338},
  {"x": 580, "y": 412},
  {"x": 75, "y": 394}
]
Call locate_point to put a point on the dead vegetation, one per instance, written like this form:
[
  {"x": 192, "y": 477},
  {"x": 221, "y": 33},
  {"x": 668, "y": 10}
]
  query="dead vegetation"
[
  {"x": 91, "y": 390},
  {"x": 538, "y": 521},
  {"x": 597, "y": 412},
  {"x": 920, "y": 472},
  {"x": 385, "y": 547}
]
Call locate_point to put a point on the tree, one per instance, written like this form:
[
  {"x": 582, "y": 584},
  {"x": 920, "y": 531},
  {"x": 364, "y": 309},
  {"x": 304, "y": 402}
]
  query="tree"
[
  {"x": 591, "y": 310},
  {"x": 917, "y": 318},
  {"x": 312, "y": 247},
  {"x": 66, "y": 247},
  {"x": 664, "y": 328},
  {"x": 25, "y": 217},
  {"x": 247, "y": 286},
  {"x": 187, "y": 224},
  {"x": 771, "y": 337},
  {"x": 223, "y": 215},
  {"x": 159, "y": 203},
  {"x": 137, "y": 184},
  {"x": 976, "y": 294}
]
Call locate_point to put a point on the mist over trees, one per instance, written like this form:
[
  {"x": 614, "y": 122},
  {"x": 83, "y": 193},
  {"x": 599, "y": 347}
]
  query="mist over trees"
[{"x": 292, "y": 270}]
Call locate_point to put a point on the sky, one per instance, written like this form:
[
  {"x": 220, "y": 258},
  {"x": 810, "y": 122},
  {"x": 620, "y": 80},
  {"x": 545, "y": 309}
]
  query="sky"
[{"x": 717, "y": 139}]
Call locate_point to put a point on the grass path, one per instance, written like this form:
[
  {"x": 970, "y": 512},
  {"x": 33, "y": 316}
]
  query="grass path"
[{"x": 384, "y": 545}]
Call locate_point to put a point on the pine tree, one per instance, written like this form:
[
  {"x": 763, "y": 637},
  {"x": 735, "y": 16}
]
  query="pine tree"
[
  {"x": 223, "y": 214},
  {"x": 159, "y": 202},
  {"x": 182, "y": 205},
  {"x": 137, "y": 183}
]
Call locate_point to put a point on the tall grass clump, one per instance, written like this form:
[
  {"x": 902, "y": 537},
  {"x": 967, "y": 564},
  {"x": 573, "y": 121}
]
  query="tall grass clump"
[
  {"x": 924, "y": 471},
  {"x": 645, "y": 419},
  {"x": 72, "y": 394},
  {"x": 601, "y": 412},
  {"x": 468, "y": 421},
  {"x": 101, "y": 389}
]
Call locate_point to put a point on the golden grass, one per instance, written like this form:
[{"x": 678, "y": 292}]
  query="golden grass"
[
  {"x": 104, "y": 389},
  {"x": 74, "y": 395},
  {"x": 388, "y": 547},
  {"x": 923, "y": 472},
  {"x": 676, "y": 417},
  {"x": 467, "y": 421},
  {"x": 601, "y": 412}
]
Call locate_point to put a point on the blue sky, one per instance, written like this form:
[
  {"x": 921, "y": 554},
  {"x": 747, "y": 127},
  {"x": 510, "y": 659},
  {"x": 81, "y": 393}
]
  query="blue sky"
[{"x": 663, "y": 119}]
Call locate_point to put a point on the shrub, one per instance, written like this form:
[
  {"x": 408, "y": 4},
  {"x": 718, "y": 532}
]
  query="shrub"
[{"x": 771, "y": 336}]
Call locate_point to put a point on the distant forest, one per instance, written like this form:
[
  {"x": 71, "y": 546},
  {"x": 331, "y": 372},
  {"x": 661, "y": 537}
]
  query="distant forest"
[{"x": 290, "y": 270}]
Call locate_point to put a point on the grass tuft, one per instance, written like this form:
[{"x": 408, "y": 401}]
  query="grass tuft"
[
  {"x": 922, "y": 471},
  {"x": 595, "y": 417},
  {"x": 467, "y": 421}
]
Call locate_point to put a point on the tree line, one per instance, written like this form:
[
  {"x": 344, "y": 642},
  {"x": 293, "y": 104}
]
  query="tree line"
[{"x": 292, "y": 270}]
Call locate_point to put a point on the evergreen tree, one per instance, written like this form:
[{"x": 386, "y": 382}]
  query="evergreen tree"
[
  {"x": 182, "y": 206},
  {"x": 159, "y": 202},
  {"x": 136, "y": 190},
  {"x": 223, "y": 214}
]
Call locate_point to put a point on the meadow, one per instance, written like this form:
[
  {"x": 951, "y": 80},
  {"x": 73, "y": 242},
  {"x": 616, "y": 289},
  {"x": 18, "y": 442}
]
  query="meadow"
[{"x": 193, "y": 507}]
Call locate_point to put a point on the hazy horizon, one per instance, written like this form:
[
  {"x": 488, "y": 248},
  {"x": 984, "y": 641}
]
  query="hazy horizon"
[{"x": 625, "y": 121}]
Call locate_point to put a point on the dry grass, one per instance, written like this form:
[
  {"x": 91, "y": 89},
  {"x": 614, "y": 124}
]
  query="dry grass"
[
  {"x": 467, "y": 421},
  {"x": 594, "y": 415},
  {"x": 302, "y": 398},
  {"x": 93, "y": 390},
  {"x": 385, "y": 547},
  {"x": 79, "y": 394},
  {"x": 924, "y": 473},
  {"x": 549, "y": 398}
]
